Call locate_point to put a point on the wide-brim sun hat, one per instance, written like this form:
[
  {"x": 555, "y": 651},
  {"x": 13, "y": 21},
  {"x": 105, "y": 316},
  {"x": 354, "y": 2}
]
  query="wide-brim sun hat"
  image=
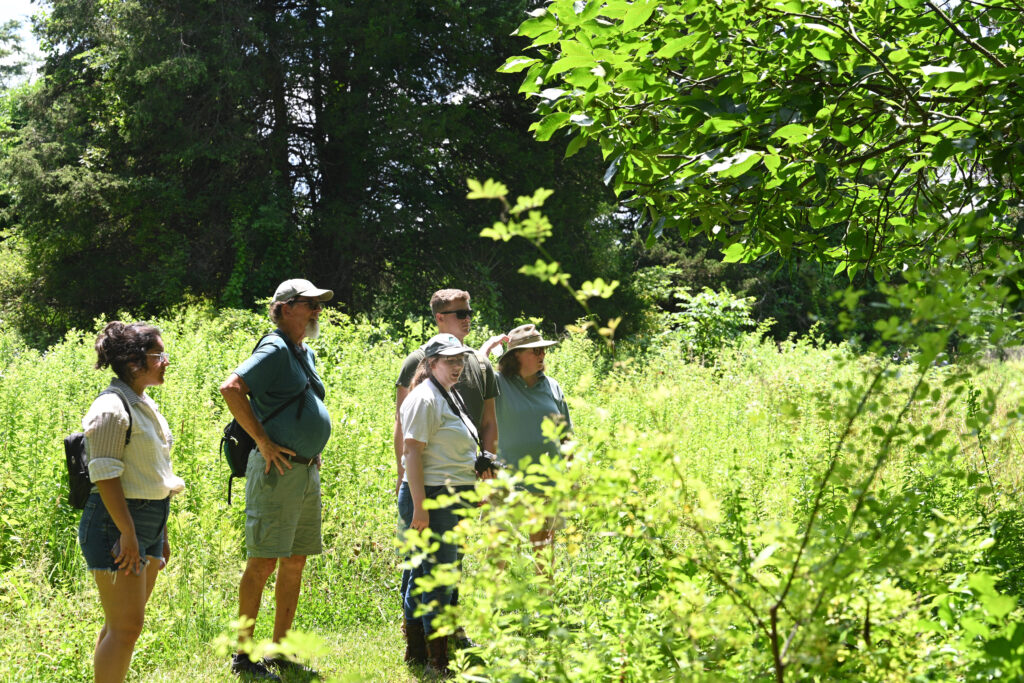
[
  {"x": 525, "y": 337},
  {"x": 291, "y": 289},
  {"x": 445, "y": 345}
]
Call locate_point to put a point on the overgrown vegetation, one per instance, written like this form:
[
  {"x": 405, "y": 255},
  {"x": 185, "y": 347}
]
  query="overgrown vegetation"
[{"x": 685, "y": 511}]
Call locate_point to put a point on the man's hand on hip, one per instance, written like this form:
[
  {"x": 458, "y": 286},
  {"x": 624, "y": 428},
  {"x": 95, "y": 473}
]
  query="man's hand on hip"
[{"x": 275, "y": 455}]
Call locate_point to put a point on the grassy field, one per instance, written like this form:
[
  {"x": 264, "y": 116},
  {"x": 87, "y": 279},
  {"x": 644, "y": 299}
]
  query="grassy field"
[{"x": 686, "y": 511}]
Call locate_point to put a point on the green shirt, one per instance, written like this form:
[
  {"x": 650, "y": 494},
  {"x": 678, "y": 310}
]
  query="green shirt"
[
  {"x": 521, "y": 411},
  {"x": 274, "y": 374}
]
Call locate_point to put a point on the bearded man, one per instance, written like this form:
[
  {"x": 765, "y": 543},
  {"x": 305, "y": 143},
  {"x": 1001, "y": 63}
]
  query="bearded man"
[{"x": 277, "y": 396}]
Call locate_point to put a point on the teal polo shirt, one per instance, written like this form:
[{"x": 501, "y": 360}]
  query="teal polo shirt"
[
  {"x": 521, "y": 411},
  {"x": 275, "y": 374}
]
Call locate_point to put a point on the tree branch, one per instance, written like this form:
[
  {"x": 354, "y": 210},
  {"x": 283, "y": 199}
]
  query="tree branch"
[{"x": 966, "y": 38}]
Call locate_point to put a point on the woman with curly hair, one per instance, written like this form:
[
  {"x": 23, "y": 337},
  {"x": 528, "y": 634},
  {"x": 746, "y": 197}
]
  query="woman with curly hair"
[{"x": 123, "y": 532}]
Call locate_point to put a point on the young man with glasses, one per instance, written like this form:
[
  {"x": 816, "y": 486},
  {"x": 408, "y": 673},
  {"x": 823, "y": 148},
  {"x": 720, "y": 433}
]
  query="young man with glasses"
[
  {"x": 282, "y": 488},
  {"x": 477, "y": 386}
]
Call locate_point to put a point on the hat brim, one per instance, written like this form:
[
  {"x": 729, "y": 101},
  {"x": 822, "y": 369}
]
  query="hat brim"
[
  {"x": 318, "y": 294},
  {"x": 543, "y": 343},
  {"x": 452, "y": 352}
]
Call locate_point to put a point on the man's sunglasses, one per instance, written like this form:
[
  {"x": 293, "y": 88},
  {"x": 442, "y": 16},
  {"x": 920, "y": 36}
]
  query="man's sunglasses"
[
  {"x": 461, "y": 314},
  {"x": 314, "y": 304}
]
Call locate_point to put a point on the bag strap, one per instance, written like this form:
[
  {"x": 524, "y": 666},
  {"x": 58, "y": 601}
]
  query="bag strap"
[
  {"x": 277, "y": 411},
  {"x": 303, "y": 363},
  {"x": 124, "y": 402},
  {"x": 458, "y": 407}
]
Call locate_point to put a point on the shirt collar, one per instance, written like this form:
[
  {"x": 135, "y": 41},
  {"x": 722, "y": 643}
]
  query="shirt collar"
[
  {"x": 517, "y": 378},
  {"x": 126, "y": 391}
]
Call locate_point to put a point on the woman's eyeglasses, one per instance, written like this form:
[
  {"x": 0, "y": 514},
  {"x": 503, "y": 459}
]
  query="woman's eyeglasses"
[
  {"x": 163, "y": 357},
  {"x": 461, "y": 314}
]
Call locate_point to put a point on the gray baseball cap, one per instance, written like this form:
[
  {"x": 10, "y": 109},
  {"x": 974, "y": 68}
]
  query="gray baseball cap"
[
  {"x": 445, "y": 345},
  {"x": 290, "y": 289}
]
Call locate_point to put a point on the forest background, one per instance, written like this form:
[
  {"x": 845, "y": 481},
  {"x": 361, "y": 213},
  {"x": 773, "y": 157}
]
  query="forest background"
[
  {"x": 177, "y": 151},
  {"x": 819, "y": 481}
]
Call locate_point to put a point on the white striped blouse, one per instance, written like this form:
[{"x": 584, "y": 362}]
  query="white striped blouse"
[{"x": 144, "y": 465}]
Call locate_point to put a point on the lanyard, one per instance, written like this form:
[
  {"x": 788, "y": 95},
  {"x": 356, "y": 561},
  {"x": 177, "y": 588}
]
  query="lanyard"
[{"x": 459, "y": 408}]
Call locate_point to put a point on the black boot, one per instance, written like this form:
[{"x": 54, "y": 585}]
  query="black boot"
[
  {"x": 438, "y": 650},
  {"x": 460, "y": 641},
  {"x": 415, "y": 642}
]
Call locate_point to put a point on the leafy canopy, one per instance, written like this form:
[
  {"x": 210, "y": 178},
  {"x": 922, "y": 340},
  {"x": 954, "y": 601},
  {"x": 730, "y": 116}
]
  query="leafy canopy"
[{"x": 873, "y": 134}]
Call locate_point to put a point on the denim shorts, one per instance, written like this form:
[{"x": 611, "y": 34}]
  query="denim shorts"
[
  {"x": 97, "y": 532},
  {"x": 282, "y": 511}
]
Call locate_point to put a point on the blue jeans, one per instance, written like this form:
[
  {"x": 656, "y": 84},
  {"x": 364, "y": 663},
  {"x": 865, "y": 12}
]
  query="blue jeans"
[
  {"x": 441, "y": 521},
  {"x": 97, "y": 532}
]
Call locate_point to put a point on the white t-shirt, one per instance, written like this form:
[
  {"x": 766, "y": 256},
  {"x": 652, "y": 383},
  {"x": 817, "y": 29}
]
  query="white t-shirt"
[{"x": 450, "y": 450}]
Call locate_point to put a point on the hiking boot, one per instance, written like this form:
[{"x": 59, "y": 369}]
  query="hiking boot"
[
  {"x": 291, "y": 670},
  {"x": 460, "y": 641},
  {"x": 415, "y": 642},
  {"x": 248, "y": 670},
  {"x": 437, "y": 650}
]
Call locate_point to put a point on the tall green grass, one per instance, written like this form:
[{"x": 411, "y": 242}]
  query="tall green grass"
[{"x": 667, "y": 450}]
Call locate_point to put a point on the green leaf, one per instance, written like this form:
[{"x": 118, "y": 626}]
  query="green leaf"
[
  {"x": 677, "y": 45},
  {"x": 547, "y": 126},
  {"x": 982, "y": 583},
  {"x": 516, "y": 64},
  {"x": 575, "y": 145},
  {"x": 531, "y": 28},
  {"x": 639, "y": 12},
  {"x": 793, "y": 133},
  {"x": 998, "y": 606},
  {"x": 720, "y": 125},
  {"x": 734, "y": 253},
  {"x": 899, "y": 56},
  {"x": 942, "y": 151},
  {"x": 736, "y": 165},
  {"x": 822, "y": 28},
  {"x": 820, "y": 52},
  {"x": 490, "y": 189},
  {"x": 574, "y": 62}
]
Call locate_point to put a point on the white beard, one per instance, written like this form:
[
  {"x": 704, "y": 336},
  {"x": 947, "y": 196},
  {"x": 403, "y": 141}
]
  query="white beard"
[{"x": 312, "y": 329}]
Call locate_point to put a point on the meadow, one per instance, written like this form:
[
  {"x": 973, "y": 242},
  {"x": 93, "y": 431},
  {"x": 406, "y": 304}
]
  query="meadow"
[{"x": 791, "y": 511}]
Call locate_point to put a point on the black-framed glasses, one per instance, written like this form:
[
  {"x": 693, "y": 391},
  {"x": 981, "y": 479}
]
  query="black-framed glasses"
[
  {"x": 162, "y": 357},
  {"x": 314, "y": 304},
  {"x": 461, "y": 314}
]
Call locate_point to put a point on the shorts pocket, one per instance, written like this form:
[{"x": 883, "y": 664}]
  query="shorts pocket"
[{"x": 262, "y": 529}]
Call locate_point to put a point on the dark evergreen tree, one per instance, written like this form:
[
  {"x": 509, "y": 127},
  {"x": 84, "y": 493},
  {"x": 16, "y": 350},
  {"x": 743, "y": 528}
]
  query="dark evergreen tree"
[{"x": 213, "y": 148}]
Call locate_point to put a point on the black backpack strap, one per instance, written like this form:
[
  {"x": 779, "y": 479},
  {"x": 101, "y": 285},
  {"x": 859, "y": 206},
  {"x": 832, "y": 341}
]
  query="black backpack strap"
[
  {"x": 459, "y": 408},
  {"x": 124, "y": 402},
  {"x": 291, "y": 347},
  {"x": 303, "y": 363}
]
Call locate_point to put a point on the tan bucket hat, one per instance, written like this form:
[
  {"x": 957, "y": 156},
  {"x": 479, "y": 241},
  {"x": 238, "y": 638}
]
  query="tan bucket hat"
[{"x": 525, "y": 337}]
